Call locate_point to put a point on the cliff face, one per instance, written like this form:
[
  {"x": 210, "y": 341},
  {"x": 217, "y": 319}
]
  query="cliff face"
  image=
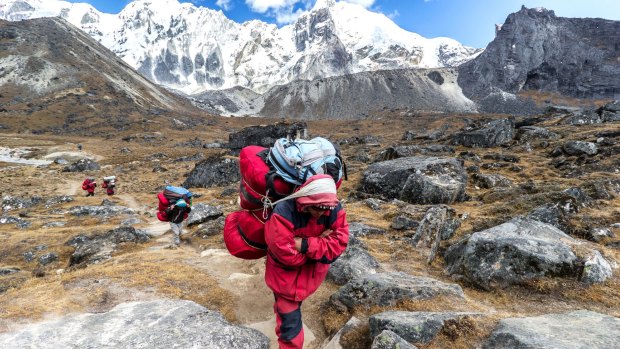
[{"x": 535, "y": 50}]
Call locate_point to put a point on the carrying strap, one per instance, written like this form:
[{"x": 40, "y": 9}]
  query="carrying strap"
[{"x": 253, "y": 244}]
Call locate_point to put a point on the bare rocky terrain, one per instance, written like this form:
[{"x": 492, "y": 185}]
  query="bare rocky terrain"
[{"x": 64, "y": 254}]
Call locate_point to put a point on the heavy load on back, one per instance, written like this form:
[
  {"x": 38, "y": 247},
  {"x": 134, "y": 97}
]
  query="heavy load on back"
[
  {"x": 169, "y": 196},
  {"x": 268, "y": 175}
]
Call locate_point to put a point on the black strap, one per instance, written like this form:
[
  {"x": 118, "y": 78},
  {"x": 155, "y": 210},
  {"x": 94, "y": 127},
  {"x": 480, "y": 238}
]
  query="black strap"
[
  {"x": 247, "y": 196},
  {"x": 344, "y": 166},
  {"x": 270, "y": 178},
  {"x": 256, "y": 245}
]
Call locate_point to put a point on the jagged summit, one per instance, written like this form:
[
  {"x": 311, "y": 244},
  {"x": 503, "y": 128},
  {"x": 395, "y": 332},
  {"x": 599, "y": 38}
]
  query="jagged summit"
[{"x": 193, "y": 49}]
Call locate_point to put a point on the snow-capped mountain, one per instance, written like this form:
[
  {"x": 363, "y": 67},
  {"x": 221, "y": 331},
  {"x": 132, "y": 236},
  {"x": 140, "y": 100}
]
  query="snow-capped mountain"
[{"x": 193, "y": 49}]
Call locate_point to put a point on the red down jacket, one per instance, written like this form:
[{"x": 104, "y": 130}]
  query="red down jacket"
[
  {"x": 163, "y": 205},
  {"x": 292, "y": 274},
  {"x": 89, "y": 185}
]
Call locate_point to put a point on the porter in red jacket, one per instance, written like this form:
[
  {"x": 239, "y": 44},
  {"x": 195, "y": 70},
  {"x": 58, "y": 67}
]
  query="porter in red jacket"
[
  {"x": 304, "y": 235},
  {"x": 89, "y": 185}
]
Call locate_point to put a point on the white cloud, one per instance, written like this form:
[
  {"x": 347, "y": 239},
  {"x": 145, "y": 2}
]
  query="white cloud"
[
  {"x": 284, "y": 11},
  {"x": 263, "y": 6},
  {"x": 393, "y": 15},
  {"x": 224, "y": 4},
  {"x": 365, "y": 3}
]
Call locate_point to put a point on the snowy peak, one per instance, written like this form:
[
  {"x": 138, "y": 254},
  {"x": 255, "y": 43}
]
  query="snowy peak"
[{"x": 193, "y": 49}]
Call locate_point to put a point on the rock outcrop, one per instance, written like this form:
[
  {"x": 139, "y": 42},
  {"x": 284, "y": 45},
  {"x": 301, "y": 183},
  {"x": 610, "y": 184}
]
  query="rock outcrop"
[
  {"x": 573, "y": 330},
  {"x": 535, "y": 50},
  {"x": 418, "y": 180},
  {"x": 160, "y": 324}
]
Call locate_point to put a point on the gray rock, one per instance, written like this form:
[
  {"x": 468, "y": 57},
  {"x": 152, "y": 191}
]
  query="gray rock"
[
  {"x": 29, "y": 256},
  {"x": 8, "y": 271},
  {"x": 82, "y": 165},
  {"x": 131, "y": 221},
  {"x": 577, "y": 148},
  {"x": 19, "y": 223},
  {"x": 98, "y": 248},
  {"x": 390, "y": 340},
  {"x": 416, "y": 327},
  {"x": 404, "y": 151},
  {"x": 488, "y": 181},
  {"x": 210, "y": 228},
  {"x": 374, "y": 204},
  {"x": 10, "y": 203},
  {"x": 531, "y": 133},
  {"x": 599, "y": 234},
  {"x": 354, "y": 263},
  {"x": 551, "y": 214},
  {"x": 105, "y": 211},
  {"x": 54, "y": 224},
  {"x": 201, "y": 213},
  {"x": 580, "y": 329},
  {"x": 48, "y": 258},
  {"x": 418, "y": 180},
  {"x": 493, "y": 134},
  {"x": 265, "y": 136},
  {"x": 214, "y": 171},
  {"x": 511, "y": 253},
  {"x": 359, "y": 229},
  {"x": 582, "y": 117},
  {"x": 58, "y": 200},
  {"x": 155, "y": 324},
  {"x": 384, "y": 289},
  {"x": 596, "y": 269},
  {"x": 351, "y": 325},
  {"x": 402, "y": 222}
]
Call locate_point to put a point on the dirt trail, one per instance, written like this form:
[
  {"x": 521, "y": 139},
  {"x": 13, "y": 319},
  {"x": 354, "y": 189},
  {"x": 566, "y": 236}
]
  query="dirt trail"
[
  {"x": 243, "y": 278},
  {"x": 70, "y": 188}
]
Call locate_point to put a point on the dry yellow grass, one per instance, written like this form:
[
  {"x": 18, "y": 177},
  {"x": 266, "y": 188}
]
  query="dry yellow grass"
[{"x": 142, "y": 272}]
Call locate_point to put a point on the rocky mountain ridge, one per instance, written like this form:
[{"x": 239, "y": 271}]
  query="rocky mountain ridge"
[
  {"x": 55, "y": 78},
  {"x": 193, "y": 49},
  {"x": 534, "y": 50}
]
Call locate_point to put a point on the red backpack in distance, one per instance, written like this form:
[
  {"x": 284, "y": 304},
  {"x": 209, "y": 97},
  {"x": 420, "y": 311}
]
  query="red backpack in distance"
[
  {"x": 244, "y": 235},
  {"x": 258, "y": 180}
]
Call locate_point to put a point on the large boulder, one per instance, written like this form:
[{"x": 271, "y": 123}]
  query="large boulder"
[
  {"x": 580, "y": 329},
  {"x": 388, "y": 289},
  {"x": 354, "y": 263},
  {"x": 202, "y": 213},
  {"x": 212, "y": 172},
  {"x": 265, "y": 136},
  {"x": 513, "y": 253},
  {"x": 579, "y": 148},
  {"x": 99, "y": 247},
  {"x": 413, "y": 326},
  {"x": 105, "y": 211},
  {"x": 159, "y": 324},
  {"x": 418, "y": 180},
  {"x": 493, "y": 134},
  {"x": 82, "y": 165}
]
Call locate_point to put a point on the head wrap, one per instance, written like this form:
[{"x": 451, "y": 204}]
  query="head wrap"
[{"x": 319, "y": 190}]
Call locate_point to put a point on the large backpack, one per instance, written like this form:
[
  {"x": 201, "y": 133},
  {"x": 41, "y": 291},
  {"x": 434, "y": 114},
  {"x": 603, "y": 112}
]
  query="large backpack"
[
  {"x": 296, "y": 161},
  {"x": 244, "y": 235},
  {"x": 168, "y": 196},
  {"x": 262, "y": 182},
  {"x": 259, "y": 182}
]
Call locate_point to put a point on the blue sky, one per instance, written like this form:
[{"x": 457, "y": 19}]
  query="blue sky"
[{"x": 469, "y": 21}]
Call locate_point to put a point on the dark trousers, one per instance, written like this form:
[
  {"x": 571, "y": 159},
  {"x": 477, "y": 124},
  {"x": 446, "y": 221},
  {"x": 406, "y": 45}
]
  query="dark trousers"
[{"x": 289, "y": 327}]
